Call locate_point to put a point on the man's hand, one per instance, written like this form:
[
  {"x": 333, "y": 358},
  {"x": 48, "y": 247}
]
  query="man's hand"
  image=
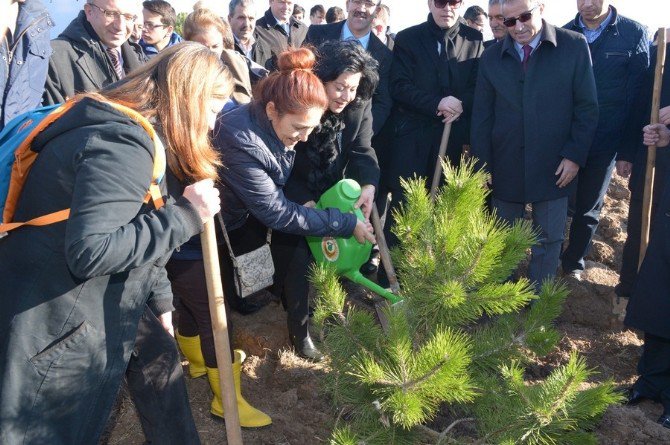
[
  {"x": 664, "y": 115},
  {"x": 566, "y": 172},
  {"x": 624, "y": 168},
  {"x": 450, "y": 109},
  {"x": 657, "y": 135},
  {"x": 367, "y": 200},
  {"x": 363, "y": 232},
  {"x": 166, "y": 322}
]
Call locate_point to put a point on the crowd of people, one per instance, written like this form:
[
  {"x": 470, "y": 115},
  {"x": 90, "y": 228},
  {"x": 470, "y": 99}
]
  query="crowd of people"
[{"x": 257, "y": 117}]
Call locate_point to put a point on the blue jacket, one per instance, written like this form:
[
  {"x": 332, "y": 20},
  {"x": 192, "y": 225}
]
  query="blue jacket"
[
  {"x": 620, "y": 57},
  {"x": 151, "y": 51},
  {"x": 24, "y": 65},
  {"x": 256, "y": 166}
]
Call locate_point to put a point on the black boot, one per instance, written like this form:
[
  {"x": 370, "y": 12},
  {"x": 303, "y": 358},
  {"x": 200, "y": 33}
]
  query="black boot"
[{"x": 305, "y": 348}]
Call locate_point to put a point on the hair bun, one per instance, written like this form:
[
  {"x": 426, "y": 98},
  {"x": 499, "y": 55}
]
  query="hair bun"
[{"x": 296, "y": 59}]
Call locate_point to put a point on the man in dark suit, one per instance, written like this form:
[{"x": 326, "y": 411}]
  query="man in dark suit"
[
  {"x": 94, "y": 50},
  {"x": 534, "y": 118},
  {"x": 358, "y": 26},
  {"x": 380, "y": 26},
  {"x": 496, "y": 18},
  {"x": 620, "y": 53},
  {"x": 275, "y": 32},
  {"x": 432, "y": 80}
]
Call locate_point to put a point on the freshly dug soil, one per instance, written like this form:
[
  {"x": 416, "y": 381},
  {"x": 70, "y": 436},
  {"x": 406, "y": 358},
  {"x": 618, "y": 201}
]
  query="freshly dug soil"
[{"x": 286, "y": 387}]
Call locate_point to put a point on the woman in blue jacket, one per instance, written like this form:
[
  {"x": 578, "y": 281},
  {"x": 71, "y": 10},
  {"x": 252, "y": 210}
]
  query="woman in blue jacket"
[{"x": 256, "y": 142}]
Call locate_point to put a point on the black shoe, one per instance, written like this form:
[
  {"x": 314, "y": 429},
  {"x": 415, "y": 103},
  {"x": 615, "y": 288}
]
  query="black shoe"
[
  {"x": 248, "y": 307},
  {"x": 305, "y": 348},
  {"x": 368, "y": 268},
  {"x": 634, "y": 397},
  {"x": 622, "y": 290},
  {"x": 664, "y": 420}
]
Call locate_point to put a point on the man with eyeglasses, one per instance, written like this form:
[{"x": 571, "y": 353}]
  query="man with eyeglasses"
[
  {"x": 432, "y": 82},
  {"x": 496, "y": 18},
  {"x": 358, "y": 27},
  {"x": 94, "y": 50},
  {"x": 620, "y": 54},
  {"x": 158, "y": 33},
  {"x": 534, "y": 119},
  {"x": 275, "y": 32}
]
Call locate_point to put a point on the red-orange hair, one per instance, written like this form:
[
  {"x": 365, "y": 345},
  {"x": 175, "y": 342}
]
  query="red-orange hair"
[{"x": 294, "y": 88}]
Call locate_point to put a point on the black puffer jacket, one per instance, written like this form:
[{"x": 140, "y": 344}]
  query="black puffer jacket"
[{"x": 256, "y": 168}]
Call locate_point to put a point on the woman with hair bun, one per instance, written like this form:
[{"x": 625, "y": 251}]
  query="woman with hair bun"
[
  {"x": 256, "y": 143},
  {"x": 341, "y": 141}
]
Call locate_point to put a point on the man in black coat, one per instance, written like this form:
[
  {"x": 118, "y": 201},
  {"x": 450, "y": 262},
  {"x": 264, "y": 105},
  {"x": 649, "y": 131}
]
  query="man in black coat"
[
  {"x": 94, "y": 50},
  {"x": 632, "y": 160},
  {"x": 620, "y": 54},
  {"x": 275, "y": 32},
  {"x": 534, "y": 119},
  {"x": 649, "y": 306},
  {"x": 433, "y": 79},
  {"x": 358, "y": 26}
]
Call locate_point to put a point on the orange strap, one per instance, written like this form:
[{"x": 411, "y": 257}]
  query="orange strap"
[
  {"x": 25, "y": 157},
  {"x": 43, "y": 220}
]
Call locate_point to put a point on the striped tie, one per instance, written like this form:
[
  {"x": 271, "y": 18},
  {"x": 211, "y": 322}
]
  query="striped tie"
[{"x": 113, "y": 55}]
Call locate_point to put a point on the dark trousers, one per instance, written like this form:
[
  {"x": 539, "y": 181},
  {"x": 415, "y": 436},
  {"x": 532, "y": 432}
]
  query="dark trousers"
[
  {"x": 549, "y": 219},
  {"x": 592, "y": 183},
  {"x": 156, "y": 385},
  {"x": 192, "y": 304},
  {"x": 654, "y": 370},
  {"x": 292, "y": 259}
]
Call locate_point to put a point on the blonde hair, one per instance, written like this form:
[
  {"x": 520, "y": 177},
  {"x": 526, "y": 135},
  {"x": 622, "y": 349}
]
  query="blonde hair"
[
  {"x": 174, "y": 89},
  {"x": 197, "y": 21}
]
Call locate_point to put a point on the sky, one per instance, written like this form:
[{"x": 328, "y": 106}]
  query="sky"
[{"x": 404, "y": 13}]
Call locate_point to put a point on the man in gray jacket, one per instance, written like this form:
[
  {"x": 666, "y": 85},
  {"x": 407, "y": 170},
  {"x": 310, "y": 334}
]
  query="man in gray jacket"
[
  {"x": 94, "y": 50},
  {"x": 534, "y": 118}
]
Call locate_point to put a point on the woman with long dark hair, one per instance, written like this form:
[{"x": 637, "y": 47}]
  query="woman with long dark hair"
[{"x": 339, "y": 146}]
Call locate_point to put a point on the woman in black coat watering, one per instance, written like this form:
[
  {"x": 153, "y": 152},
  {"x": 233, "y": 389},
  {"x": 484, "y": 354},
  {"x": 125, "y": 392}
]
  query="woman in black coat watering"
[
  {"x": 339, "y": 146},
  {"x": 73, "y": 292}
]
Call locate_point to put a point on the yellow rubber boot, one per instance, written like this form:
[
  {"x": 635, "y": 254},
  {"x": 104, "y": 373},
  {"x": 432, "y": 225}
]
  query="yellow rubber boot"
[
  {"x": 190, "y": 347},
  {"x": 250, "y": 417}
]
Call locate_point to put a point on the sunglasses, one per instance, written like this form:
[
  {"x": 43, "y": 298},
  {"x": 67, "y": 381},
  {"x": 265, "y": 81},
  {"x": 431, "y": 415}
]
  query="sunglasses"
[
  {"x": 523, "y": 18},
  {"x": 442, "y": 3}
]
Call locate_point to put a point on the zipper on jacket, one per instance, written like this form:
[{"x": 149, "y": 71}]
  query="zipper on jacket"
[{"x": 18, "y": 38}]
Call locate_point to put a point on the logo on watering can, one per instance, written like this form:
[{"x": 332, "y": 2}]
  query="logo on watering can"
[{"x": 330, "y": 249}]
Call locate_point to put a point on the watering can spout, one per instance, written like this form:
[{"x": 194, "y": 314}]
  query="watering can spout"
[{"x": 358, "y": 278}]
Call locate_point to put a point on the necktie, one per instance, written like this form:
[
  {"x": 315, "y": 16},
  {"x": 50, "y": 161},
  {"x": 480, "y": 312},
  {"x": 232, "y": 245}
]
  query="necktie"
[
  {"x": 354, "y": 39},
  {"x": 113, "y": 55},
  {"x": 527, "y": 49}
]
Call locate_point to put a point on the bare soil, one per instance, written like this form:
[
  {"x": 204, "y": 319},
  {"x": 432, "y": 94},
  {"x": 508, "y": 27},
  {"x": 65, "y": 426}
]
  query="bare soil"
[{"x": 286, "y": 387}]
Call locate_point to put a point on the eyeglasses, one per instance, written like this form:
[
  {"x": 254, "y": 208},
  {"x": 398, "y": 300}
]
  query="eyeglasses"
[
  {"x": 523, "y": 18},
  {"x": 367, "y": 3},
  {"x": 151, "y": 26},
  {"x": 439, "y": 4},
  {"x": 115, "y": 15}
]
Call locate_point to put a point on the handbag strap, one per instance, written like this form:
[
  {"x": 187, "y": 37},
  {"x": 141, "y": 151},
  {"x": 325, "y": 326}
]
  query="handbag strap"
[{"x": 268, "y": 238}]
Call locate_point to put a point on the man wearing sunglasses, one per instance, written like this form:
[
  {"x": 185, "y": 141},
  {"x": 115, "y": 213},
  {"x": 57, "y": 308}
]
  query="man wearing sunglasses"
[
  {"x": 432, "y": 82},
  {"x": 534, "y": 119},
  {"x": 620, "y": 54},
  {"x": 94, "y": 50}
]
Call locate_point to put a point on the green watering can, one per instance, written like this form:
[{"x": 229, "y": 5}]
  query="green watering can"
[{"x": 345, "y": 254}]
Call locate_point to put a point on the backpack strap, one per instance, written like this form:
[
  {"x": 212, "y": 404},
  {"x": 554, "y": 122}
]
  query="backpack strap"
[{"x": 25, "y": 157}]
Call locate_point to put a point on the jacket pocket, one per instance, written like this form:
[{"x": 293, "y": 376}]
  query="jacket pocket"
[
  {"x": 73, "y": 343},
  {"x": 611, "y": 54}
]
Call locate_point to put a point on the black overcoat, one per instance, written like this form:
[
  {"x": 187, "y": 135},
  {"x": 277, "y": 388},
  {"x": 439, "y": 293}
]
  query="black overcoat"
[
  {"x": 524, "y": 124},
  {"x": 417, "y": 85},
  {"x": 649, "y": 306},
  {"x": 381, "y": 100}
]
